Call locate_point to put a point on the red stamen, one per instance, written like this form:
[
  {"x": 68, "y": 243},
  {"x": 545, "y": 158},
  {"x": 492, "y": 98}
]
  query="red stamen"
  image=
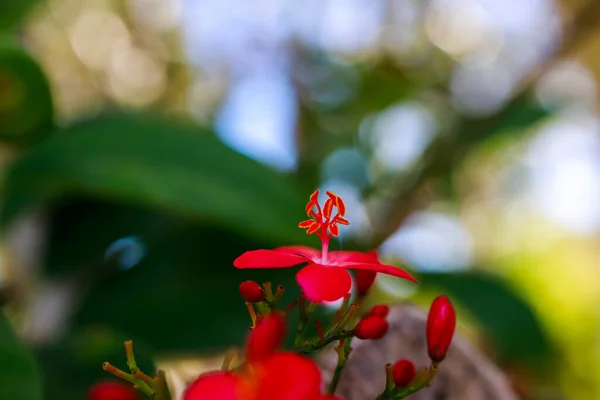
[
  {"x": 328, "y": 208},
  {"x": 323, "y": 222}
]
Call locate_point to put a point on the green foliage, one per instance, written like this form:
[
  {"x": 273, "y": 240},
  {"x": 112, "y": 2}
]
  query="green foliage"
[
  {"x": 181, "y": 296},
  {"x": 12, "y": 11},
  {"x": 26, "y": 109},
  {"x": 179, "y": 169},
  {"x": 508, "y": 321},
  {"x": 19, "y": 376}
]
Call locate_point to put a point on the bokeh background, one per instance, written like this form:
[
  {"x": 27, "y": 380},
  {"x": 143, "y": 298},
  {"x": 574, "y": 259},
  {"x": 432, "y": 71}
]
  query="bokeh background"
[{"x": 147, "y": 143}]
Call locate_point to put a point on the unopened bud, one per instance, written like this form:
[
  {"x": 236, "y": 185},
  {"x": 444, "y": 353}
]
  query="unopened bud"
[
  {"x": 373, "y": 327},
  {"x": 252, "y": 292},
  {"x": 403, "y": 372},
  {"x": 441, "y": 323}
]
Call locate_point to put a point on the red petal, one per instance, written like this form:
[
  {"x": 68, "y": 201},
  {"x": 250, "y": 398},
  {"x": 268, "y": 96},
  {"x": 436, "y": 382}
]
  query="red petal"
[
  {"x": 305, "y": 251},
  {"x": 338, "y": 257},
  {"x": 268, "y": 259},
  {"x": 381, "y": 268},
  {"x": 289, "y": 376},
  {"x": 213, "y": 385},
  {"x": 324, "y": 283},
  {"x": 266, "y": 337}
]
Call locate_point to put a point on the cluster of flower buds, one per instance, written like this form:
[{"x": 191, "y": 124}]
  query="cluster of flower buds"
[
  {"x": 402, "y": 377},
  {"x": 373, "y": 324},
  {"x": 267, "y": 371}
]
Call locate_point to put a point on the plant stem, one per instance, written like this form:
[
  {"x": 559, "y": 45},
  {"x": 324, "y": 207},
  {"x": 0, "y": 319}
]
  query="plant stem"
[
  {"x": 312, "y": 347},
  {"x": 343, "y": 350}
]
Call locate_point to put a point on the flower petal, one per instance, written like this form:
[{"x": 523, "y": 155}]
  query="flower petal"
[
  {"x": 381, "y": 268},
  {"x": 289, "y": 376},
  {"x": 266, "y": 337},
  {"x": 304, "y": 251},
  {"x": 338, "y": 257},
  {"x": 324, "y": 283},
  {"x": 268, "y": 259},
  {"x": 213, "y": 385}
]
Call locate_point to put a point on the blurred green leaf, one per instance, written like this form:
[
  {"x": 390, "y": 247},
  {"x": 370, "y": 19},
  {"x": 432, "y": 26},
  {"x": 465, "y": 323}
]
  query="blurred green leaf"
[
  {"x": 184, "y": 294},
  {"x": 156, "y": 163},
  {"x": 19, "y": 375},
  {"x": 512, "y": 327},
  {"x": 74, "y": 363},
  {"x": 12, "y": 11},
  {"x": 26, "y": 109}
]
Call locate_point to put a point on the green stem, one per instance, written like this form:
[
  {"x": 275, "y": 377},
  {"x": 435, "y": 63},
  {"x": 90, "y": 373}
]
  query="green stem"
[
  {"x": 312, "y": 347},
  {"x": 160, "y": 387},
  {"x": 343, "y": 350}
]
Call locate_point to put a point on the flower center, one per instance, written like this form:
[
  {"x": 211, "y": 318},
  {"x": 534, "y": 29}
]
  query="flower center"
[{"x": 322, "y": 220}]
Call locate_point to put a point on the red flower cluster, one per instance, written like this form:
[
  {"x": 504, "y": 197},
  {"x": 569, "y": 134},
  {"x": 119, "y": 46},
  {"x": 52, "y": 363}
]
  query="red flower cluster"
[
  {"x": 326, "y": 276},
  {"x": 267, "y": 373}
]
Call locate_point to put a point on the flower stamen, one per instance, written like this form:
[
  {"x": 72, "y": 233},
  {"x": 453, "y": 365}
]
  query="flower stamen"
[{"x": 323, "y": 222}]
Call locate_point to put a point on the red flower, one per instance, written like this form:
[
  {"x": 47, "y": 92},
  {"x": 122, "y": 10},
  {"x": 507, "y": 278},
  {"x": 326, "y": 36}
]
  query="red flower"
[
  {"x": 325, "y": 277},
  {"x": 441, "y": 323},
  {"x": 266, "y": 373},
  {"x": 112, "y": 390},
  {"x": 403, "y": 372}
]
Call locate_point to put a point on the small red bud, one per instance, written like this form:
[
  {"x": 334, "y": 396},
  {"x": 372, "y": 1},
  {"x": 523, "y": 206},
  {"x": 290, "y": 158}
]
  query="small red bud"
[
  {"x": 364, "y": 281},
  {"x": 403, "y": 372},
  {"x": 112, "y": 390},
  {"x": 381, "y": 311},
  {"x": 441, "y": 323},
  {"x": 252, "y": 292},
  {"x": 372, "y": 327}
]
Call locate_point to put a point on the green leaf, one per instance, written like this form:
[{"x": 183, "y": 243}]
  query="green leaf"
[
  {"x": 19, "y": 375},
  {"x": 12, "y": 11},
  {"x": 184, "y": 294},
  {"x": 508, "y": 321},
  {"x": 26, "y": 109},
  {"x": 151, "y": 162}
]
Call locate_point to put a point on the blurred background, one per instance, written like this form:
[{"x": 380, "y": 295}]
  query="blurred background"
[{"x": 147, "y": 143}]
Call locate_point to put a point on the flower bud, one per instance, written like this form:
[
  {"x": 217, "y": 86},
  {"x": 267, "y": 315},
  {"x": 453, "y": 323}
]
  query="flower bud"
[
  {"x": 403, "y": 372},
  {"x": 364, "y": 281},
  {"x": 441, "y": 323},
  {"x": 380, "y": 310},
  {"x": 252, "y": 292},
  {"x": 372, "y": 327},
  {"x": 112, "y": 390}
]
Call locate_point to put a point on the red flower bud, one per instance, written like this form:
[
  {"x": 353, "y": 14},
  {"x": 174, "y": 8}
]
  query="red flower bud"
[
  {"x": 403, "y": 372},
  {"x": 381, "y": 311},
  {"x": 441, "y": 323},
  {"x": 372, "y": 327},
  {"x": 252, "y": 292},
  {"x": 112, "y": 390},
  {"x": 364, "y": 281}
]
